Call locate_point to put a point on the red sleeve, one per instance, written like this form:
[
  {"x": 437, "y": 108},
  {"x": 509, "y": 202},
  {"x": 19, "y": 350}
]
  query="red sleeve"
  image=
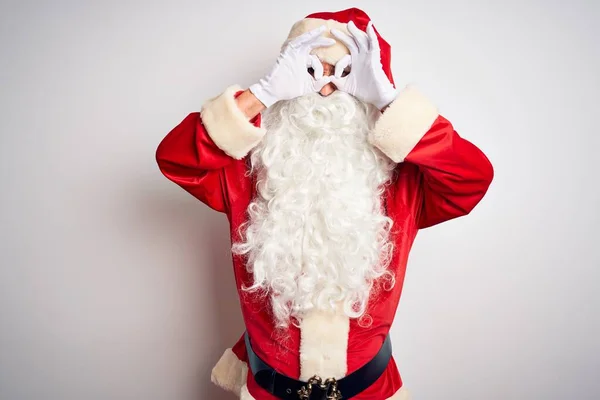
[
  {"x": 239, "y": 349},
  {"x": 455, "y": 174},
  {"x": 206, "y": 146},
  {"x": 188, "y": 157}
]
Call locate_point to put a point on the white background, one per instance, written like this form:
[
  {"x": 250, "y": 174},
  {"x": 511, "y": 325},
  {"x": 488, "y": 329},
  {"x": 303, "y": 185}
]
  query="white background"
[{"x": 117, "y": 285}]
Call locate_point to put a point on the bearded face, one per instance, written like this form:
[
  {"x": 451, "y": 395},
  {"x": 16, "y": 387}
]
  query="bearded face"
[{"x": 317, "y": 235}]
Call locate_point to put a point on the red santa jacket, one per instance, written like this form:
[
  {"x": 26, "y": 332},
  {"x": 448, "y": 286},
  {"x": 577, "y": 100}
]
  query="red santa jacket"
[{"x": 439, "y": 176}]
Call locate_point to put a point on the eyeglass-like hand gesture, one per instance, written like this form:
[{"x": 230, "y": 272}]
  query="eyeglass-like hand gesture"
[
  {"x": 289, "y": 78},
  {"x": 367, "y": 80}
]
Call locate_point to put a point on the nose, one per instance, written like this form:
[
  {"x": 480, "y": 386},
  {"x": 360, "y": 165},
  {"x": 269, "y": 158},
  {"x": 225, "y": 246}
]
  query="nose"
[
  {"x": 327, "y": 89},
  {"x": 328, "y": 70}
]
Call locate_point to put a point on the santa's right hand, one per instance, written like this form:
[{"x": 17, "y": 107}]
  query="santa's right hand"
[{"x": 290, "y": 77}]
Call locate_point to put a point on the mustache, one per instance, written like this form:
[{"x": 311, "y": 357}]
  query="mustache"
[{"x": 335, "y": 112}]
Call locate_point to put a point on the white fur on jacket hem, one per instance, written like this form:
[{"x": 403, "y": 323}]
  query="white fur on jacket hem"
[
  {"x": 245, "y": 394},
  {"x": 329, "y": 54},
  {"x": 228, "y": 126},
  {"x": 230, "y": 373},
  {"x": 324, "y": 344},
  {"x": 401, "y": 394},
  {"x": 403, "y": 124}
]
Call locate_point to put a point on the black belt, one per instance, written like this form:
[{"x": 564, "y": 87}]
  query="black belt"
[{"x": 316, "y": 388}]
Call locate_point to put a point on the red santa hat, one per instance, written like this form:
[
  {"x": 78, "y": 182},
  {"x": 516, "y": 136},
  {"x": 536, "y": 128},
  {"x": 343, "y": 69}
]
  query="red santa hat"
[{"x": 338, "y": 20}]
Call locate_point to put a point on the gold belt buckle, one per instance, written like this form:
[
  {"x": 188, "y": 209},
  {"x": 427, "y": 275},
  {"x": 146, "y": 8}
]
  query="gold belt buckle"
[{"x": 329, "y": 386}]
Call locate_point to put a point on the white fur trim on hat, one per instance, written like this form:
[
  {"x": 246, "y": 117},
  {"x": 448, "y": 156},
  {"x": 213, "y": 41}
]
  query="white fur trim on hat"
[
  {"x": 324, "y": 345},
  {"x": 230, "y": 373},
  {"x": 228, "y": 126},
  {"x": 331, "y": 54},
  {"x": 403, "y": 124}
]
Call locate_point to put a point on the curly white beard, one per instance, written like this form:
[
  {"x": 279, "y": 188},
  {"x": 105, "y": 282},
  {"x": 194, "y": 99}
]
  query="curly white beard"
[{"x": 317, "y": 236}]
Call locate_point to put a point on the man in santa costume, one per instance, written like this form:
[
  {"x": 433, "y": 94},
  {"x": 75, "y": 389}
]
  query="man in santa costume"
[{"x": 326, "y": 172}]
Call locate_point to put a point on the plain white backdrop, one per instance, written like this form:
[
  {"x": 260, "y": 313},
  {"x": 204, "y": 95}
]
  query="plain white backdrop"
[{"x": 115, "y": 284}]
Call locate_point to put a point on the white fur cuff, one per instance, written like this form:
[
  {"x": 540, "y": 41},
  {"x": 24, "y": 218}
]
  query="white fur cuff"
[
  {"x": 403, "y": 124},
  {"x": 230, "y": 372},
  {"x": 227, "y": 125}
]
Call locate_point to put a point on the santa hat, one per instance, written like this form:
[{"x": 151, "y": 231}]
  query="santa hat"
[{"x": 338, "y": 20}]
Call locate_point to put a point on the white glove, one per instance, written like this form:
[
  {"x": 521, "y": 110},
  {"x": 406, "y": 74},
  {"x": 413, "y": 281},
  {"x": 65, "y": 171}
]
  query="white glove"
[
  {"x": 367, "y": 80},
  {"x": 290, "y": 78}
]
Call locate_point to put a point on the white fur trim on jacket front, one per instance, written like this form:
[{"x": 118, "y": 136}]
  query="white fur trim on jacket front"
[
  {"x": 330, "y": 54},
  {"x": 230, "y": 373},
  {"x": 324, "y": 345},
  {"x": 228, "y": 126},
  {"x": 403, "y": 124}
]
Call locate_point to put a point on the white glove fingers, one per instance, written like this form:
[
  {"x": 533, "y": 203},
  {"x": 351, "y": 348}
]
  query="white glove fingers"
[
  {"x": 361, "y": 37},
  {"x": 320, "y": 42},
  {"x": 348, "y": 41},
  {"x": 341, "y": 65},
  {"x": 317, "y": 66},
  {"x": 339, "y": 82},
  {"x": 373, "y": 40},
  {"x": 308, "y": 36},
  {"x": 319, "y": 84}
]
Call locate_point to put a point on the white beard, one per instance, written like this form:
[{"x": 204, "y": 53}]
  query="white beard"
[{"x": 317, "y": 235}]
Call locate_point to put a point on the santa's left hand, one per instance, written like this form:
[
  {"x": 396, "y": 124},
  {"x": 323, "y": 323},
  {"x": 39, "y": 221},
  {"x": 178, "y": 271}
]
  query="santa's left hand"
[{"x": 366, "y": 81}]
